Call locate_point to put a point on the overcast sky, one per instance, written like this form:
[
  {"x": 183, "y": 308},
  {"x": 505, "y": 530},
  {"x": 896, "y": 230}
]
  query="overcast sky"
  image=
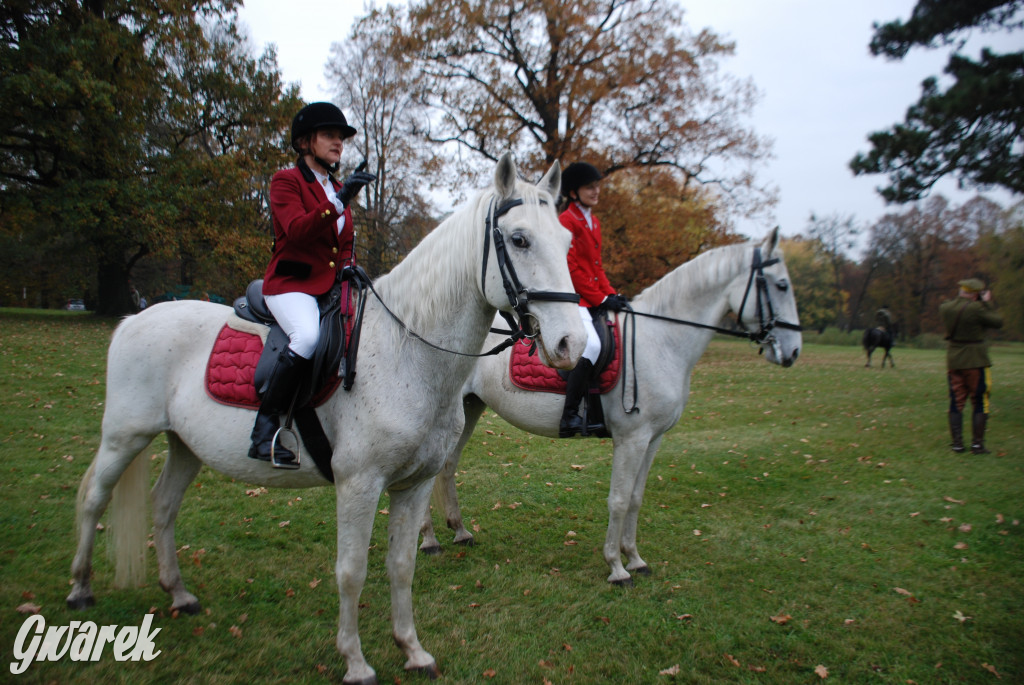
[{"x": 822, "y": 91}]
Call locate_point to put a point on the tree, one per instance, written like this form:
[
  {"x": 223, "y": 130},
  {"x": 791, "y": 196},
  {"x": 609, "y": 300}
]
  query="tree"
[
  {"x": 974, "y": 129},
  {"x": 620, "y": 82},
  {"x": 131, "y": 133},
  {"x": 809, "y": 273},
  {"x": 833, "y": 236},
  {"x": 375, "y": 86}
]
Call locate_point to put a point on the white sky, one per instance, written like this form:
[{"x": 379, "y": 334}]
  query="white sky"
[{"x": 823, "y": 92}]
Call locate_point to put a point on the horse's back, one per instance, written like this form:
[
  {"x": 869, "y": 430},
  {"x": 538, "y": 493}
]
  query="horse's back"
[{"x": 152, "y": 352}]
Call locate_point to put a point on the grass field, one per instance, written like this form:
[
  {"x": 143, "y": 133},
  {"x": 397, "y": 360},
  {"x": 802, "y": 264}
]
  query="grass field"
[{"x": 803, "y": 525}]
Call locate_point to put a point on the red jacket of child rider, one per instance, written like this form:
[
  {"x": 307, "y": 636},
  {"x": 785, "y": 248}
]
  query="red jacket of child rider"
[
  {"x": 585, "y": 266},
  {"x": 308, "y": 250}
]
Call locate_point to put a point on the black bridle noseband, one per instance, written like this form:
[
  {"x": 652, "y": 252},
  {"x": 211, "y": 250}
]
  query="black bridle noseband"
[{"x": 518, "y": 296}]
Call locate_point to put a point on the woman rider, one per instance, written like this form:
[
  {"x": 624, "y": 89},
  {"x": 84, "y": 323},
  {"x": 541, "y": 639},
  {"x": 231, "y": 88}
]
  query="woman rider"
[
  {"x": 581, "y": 186},
  {"x": 313, "y": 238}
]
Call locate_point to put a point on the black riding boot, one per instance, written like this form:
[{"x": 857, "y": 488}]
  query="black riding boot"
[
  {"x": 956, "y": 429},
  {"x": 978, "y": 422},
  {"x": 277, "y": 394},
  {"x": 575, "y": 389}
]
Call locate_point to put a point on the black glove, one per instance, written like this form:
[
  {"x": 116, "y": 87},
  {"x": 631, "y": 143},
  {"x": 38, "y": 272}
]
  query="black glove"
[
  {"x": 354, "y": 183},
  {"x": 616, "y": 302}
]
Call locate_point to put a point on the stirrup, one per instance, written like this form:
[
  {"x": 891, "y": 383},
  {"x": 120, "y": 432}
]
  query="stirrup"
[{"x": 273, "y": 456}]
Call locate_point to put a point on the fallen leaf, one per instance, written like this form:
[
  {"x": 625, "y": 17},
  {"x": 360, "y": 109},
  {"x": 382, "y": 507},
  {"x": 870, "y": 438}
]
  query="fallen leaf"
[
  {"x": 490, "y": 673},
  {"x": 900, "y": 590},
  {"x": 284, "y": 524},
  {"x": 671, "y": 670},
  {"x": 314, "y": 583},
  {"x": 28, "y": 608},
  {"x": 821, "y": 671},
  {"x": 577, "y": 467},
  {"x": 732, "y": 660},
  {"x": 960, "y": 545},
  {"x": 566, "y": 646},
  {"x": 781, "y": 619},
  {"x": 954, "y": 501},
  {"x": 991, "y": 669},
  {"x": 964, "y": 528},
  {"x": 235, "y": 631},
  {"x": 960, "y": 616}
]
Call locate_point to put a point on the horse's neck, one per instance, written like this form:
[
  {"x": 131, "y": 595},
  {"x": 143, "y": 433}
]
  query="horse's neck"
[
  {"x": 697, "y": 290},
  {"x": 435, "y": 293}
]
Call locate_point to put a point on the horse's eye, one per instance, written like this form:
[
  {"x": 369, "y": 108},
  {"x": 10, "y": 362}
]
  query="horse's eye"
[
  {"x": 520, "y": 240},
  {"x": 782, "y": 285}
]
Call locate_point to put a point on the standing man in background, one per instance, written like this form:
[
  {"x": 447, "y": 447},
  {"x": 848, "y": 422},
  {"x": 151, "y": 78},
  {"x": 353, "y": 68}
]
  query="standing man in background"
[{"x": 968, "y": 367}]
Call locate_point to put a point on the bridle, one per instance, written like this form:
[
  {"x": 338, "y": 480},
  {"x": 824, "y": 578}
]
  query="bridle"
[
  {"x": 767, "y": 320},
  {"x": 518, "y": 296}
]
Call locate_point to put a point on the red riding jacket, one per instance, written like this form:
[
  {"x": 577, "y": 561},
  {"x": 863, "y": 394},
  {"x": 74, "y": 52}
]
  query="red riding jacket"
[
  {"x": 308, "y": 251},
  {"x": 585, "y": 266}
]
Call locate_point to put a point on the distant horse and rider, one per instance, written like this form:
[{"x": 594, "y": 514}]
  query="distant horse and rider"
[{"x": 882, "y": 335}]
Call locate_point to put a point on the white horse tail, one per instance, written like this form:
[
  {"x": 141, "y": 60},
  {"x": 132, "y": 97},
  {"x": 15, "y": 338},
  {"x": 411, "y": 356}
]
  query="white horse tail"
[{"x": 129, "y": 524}]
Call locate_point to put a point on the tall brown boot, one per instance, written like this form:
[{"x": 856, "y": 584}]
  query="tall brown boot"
[
  {"x": 978, "y": 421},
  {"x": 956, "y": 429}
]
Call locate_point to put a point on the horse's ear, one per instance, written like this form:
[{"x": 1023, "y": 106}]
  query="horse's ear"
[
  {"x": 771, "y": 242},
  {"x": 505, "y": 176},
  {"x": 552, "y": 181}
]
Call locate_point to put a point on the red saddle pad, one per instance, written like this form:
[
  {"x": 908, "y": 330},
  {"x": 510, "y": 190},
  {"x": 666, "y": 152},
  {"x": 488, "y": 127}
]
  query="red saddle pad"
[
  {"x": 231, "y": 369},
  {"x": 529, "y": 373}
]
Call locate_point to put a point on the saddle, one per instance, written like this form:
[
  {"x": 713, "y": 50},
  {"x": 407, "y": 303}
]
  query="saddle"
[
  {"x": 527, "y": 372},
  {"x": 247, "y": 349}
]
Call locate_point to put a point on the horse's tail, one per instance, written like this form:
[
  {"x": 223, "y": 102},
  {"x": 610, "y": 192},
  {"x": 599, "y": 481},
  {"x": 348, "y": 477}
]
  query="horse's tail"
[{"x": 128, "y": 521}]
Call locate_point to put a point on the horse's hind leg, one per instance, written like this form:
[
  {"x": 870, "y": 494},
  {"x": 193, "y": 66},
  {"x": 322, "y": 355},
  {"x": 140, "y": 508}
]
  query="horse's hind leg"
[
  {"x": 444, "y": 486},
  {"x": 180, "y": 470},
  {"x": 115, "y": 454}
]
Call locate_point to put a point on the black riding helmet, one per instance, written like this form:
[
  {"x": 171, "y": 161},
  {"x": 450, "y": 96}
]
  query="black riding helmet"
[
  {"x": 577, "y": 175},
  {"x": 319, "y": 115}
]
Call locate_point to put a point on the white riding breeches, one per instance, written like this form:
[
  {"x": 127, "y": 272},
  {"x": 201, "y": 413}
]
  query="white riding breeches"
[
  {"x": 593, "y": 348},
  {"x": 299, "y": 317}
]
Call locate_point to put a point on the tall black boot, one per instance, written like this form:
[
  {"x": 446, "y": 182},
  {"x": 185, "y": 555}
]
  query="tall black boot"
[
  {"x": 575, "y": 389},
  {"x": 978, "y": 421},
  {"x": 277, "y": 394},
  {"x": 956, "y": 429}
]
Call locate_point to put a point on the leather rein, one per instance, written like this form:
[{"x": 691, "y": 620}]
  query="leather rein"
[
  {"x": 518, "y": 295},
  {"x": 766, "y": 317}
]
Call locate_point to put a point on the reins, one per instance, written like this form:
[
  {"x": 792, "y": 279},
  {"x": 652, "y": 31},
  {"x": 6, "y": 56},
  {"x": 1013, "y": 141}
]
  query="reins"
[
  {"x": 763, "y": 303},
  {"x": 519, "y": 296}
]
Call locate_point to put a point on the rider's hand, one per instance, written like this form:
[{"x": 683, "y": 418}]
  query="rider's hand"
[
  {"x": 354, "y": 183},
  {"x": 616, "y": 302}
]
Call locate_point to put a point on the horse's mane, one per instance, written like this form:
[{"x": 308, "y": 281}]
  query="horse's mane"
[
  {"x": 442, "y": 273},
  {"x": 710, "y": 270}
]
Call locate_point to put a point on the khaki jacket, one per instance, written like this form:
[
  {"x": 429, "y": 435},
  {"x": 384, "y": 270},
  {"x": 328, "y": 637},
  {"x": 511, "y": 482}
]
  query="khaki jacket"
[{"x": 966, "y": 322}]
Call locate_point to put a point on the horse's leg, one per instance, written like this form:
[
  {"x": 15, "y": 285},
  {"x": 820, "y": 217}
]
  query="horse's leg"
[
  {"x": 634, "y": 563},
  {"x": 113, "y": 457},
  {"x": 356, "y": 504},
  {"x": 179, "y": 470},
  {"x": 626, "y": 463},
  {"x": 404, "y": 509},
  {"x": 445, "y": 493}
]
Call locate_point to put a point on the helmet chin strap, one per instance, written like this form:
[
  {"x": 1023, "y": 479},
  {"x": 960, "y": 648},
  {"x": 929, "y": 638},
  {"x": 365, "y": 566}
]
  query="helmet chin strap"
[{"x": 332, "y": 168}]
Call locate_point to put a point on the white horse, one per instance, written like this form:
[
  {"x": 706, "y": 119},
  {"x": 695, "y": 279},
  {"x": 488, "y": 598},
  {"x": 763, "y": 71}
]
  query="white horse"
[
  {"x": 391, "y": 432},
  {"x": 749, "y": 279}
]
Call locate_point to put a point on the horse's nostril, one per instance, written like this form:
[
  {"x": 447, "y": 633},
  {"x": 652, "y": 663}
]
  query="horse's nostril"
[{"x": 563, "y": 346}]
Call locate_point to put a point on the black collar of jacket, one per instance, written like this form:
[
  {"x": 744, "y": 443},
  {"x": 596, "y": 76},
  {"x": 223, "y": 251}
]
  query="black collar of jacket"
[{"x": 307, "y": 173}]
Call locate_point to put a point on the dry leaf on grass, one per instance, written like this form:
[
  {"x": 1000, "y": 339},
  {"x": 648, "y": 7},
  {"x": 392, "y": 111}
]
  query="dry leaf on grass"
[
  {"x": 781, "y": 619},
  {"x": 28, "y": 608},
  {"x": 821, "y": 671},
  {"x": 671, "y": 670}
]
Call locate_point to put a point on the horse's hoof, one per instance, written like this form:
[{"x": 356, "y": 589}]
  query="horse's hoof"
[
  {"x": 372, "y": 680},
  {"x": 432, "y": 551},
  {"x": 625, "y": 582},
  {"x": 431, "y": 671},
  {"x": 641, "y": 571},
  {"x": 192, "y": 608},
  {"x": 468, "y": 542},
  {"x": 81, "y": 603}
]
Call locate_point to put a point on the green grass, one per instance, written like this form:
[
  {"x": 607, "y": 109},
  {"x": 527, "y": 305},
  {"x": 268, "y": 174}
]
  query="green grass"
[{"x": 836, "y": 529}]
